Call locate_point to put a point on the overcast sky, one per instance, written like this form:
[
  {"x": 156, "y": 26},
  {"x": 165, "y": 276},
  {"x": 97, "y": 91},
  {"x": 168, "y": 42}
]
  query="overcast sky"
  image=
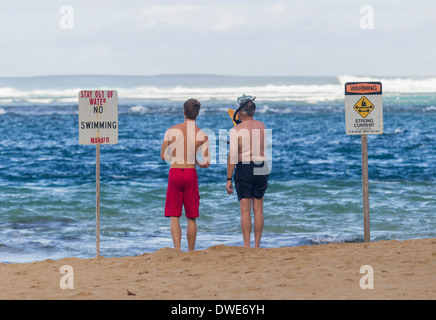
[{"x": 249, "y": 37}]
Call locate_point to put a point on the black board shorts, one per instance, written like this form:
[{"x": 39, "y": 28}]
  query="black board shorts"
[{"x": 248, "y": 182}]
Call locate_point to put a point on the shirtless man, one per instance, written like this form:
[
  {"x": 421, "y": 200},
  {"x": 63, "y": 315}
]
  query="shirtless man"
[
  {"x": 247, "y": 154},
  {"x": 179, "y": 148}
]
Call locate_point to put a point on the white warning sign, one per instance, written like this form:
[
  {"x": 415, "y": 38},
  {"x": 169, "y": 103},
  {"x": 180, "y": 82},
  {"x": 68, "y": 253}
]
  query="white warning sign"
[
  {"x": 98, "y": 117},
  {"x": 363, "y": 108}
]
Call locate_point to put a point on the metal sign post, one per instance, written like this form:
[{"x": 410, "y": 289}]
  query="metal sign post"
[
  {"x": 98, "y": 124},
  {"x": 364, "y": 115}
]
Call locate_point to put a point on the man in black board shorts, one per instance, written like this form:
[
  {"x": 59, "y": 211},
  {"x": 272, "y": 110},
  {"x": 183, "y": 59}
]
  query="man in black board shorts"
[{"x": 247, "y": 155}]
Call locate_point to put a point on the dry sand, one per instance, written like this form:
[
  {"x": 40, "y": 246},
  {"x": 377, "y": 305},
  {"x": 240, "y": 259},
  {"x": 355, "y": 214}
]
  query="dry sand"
[{"x": 402, "y": 270}]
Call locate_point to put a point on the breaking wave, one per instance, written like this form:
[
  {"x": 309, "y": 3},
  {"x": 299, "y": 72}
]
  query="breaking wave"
[{"x": 308, "y": 90}]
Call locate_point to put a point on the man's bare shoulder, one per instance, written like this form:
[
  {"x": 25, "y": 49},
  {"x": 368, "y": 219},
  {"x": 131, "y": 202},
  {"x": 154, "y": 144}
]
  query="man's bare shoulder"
[
  {"x": 173, "y": 131},
  {"x": 200, "y": 134},
  {"x": 198, "y": 129},
  {"x": 253, "y": 124},
  {"x": 260, "y": 123},
  {"x": 176, "y": 126}
]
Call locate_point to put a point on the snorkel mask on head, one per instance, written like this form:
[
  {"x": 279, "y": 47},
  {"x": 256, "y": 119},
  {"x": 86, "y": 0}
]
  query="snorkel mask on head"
[{"x": 242, "y": 101}]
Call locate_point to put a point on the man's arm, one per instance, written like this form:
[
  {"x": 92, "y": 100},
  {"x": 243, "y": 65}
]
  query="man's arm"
[
  {"x": 230, "y": 169},
  {"x": 204, "y": 149},
  {"x": 232, "y": 158},
  {"x": 164, "y": 148}
]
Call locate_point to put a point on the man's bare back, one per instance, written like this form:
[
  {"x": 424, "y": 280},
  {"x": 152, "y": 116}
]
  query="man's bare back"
[
  {"x": 181, "y": 144},
  {"x": 251, "y": 142}
]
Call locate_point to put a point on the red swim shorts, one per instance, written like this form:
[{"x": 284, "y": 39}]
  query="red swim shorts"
[{"x": 182, "y": 191}]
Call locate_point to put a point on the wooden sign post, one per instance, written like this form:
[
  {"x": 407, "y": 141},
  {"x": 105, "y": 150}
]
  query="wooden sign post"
[
  {"x": 98, "y": 124},
  {"x": 365, "y": 187},
  {"x": 97, "y": 199},
  {"x": 364, "y": 115}
]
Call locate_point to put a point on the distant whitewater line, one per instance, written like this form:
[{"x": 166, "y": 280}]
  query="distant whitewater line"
[{"x": 307, "y": 89}]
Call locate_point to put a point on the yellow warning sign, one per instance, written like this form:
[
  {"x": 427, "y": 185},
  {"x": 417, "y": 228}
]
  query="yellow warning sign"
[{"x": 363, "y": 106}]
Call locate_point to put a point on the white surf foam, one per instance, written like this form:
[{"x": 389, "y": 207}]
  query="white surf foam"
[
  {"x": 310, "y": 93},
  {"x": 397, "y": 85}
]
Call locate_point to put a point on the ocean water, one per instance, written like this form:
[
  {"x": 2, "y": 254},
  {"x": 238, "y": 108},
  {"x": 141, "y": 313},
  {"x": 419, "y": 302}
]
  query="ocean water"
[{"x": 47, "y": 179}]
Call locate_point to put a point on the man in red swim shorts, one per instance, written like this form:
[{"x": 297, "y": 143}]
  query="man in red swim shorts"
[{"x": 179, "y": 148}]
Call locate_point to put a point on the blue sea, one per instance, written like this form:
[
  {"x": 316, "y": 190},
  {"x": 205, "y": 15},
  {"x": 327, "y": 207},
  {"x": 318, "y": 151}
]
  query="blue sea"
[{"x": 47, "y": 179}]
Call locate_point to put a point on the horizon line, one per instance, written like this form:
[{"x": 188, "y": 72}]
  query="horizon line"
[{"x": 216, "y": 75}]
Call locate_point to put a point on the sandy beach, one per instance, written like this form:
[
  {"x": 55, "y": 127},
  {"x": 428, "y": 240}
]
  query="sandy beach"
[{"x": 401, "y": 270}]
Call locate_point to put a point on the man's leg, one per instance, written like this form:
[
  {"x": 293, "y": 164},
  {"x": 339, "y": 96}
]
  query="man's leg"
[
  {"x": 258, "y": 220},
  {"x": 245, "y": 204},
  {"x": 176, "y": 232},
  {"x": 191, "y": 233}
]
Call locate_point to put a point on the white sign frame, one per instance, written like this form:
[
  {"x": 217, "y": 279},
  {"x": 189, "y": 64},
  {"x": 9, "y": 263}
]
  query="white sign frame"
[
  {"x": 98, "y": 117},
  {"x": 363, "y": 123}
]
